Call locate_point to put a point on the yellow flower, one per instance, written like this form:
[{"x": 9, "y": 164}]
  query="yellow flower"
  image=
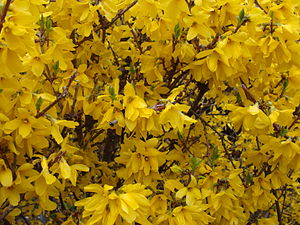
[
  {"x": 173, "y": 114},
  {"x": 107, "y": 206},
  {"x": 6, "y": 178},
  {"x": 251, "y": 118},
  {"x": 11, "y": 193},
  {"x": 134, "y": 106},
  {"x": 140, "y": 158},
  {"x": 24, "y": 123},
  {"x": 191, "y": 192},
  {"x": 186, "y": 215}
]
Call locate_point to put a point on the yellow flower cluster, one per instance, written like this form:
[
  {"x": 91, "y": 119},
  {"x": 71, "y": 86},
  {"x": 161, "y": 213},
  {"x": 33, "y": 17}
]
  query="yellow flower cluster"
[{"x": 149, "y": 112}]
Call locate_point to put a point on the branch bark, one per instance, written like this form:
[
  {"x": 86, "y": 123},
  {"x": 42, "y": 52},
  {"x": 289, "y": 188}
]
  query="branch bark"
[
  {"x": 61, "y": 96},
  {"x": 4, "y": 13}
]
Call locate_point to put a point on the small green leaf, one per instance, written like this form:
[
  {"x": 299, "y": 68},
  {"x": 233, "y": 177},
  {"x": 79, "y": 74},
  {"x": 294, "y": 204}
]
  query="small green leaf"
[
  {"x": 38, "y": 104},
  {"x": 112, "y": 92},
  {"x": 42, "y": 22},
  {"x": 1, "y": 90},
  {"x": 195, "y": 162},
  {"x": 176, "y": 169},
  {"x": 55, "y": 67},
  {"x": 180, "y": 136},
  {"x": 238, "y": 98},
  {"x": 131, "y": 69},
  {"x": 248, "y": 178},
  {"x": 215, "y": 154},
  {"x": 177, "y": 31},
  {"x": 242, "y": 15},
  {"x": 283, "y": 131},
  {"x": 285, "y": 84},
  {"x": 69, "y": 206},
  {"x": 48, "y": 24}
]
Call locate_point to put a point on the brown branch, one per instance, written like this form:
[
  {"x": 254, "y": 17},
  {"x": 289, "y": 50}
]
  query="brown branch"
[
  {"x": 72, "y": 113},
  {"x": 135, "y": 38},
  {"x": 57, "y": 158},
  {"x": 279, "y": 217},
  {"x": 114, "y": 53},
  {"x": 203, "y": 88},
  {"x": 294, "y": 122},
  {"x": 7, "y": 211},
  {"x": 278, "y": 210},
  {"x": 158, "y": 107},
  {"x": 249, "y": 96},
  {"x": 4, "y": 13},
  {"x": 120, "y": 13},
  {"x": 61, "y": 96},
  {"x": 105, "y": 24},
  {"x": 223, "y": 140},
  {"x": 259, "y": 6}
]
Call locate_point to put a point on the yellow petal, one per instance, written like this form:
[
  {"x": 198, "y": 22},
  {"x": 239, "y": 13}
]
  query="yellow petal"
[
  {"x": 37, "y": 67},
  {"x": 65, "y": 169},
  {"x": 56, "y": 134},
  {"x": 130, "y": 201},
  {"x": 181, "y": 193},
  {"x": 11, "y": 126},
  {"x": 25, "y": 129},
  {"x": 13, "y": 197},
  {"x": 113, "y": 213},
  {"x": 93, "y": 188},
  {"x": 253, "y": 110},
  {"x": 6, "y": 178},
  {"x": 67, "y": 123},
  {"x": 49, "y": 178},
  {"x": 81, "y": 167},
  {"x": 40, "y": 186},
  {"x": 212, "y": 62}
]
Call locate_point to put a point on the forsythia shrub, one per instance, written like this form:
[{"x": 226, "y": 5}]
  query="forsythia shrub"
[{"x": 180, "y": 112}]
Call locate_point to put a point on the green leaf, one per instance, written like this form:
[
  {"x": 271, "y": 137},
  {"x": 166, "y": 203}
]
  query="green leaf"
[
  {"x": 69, "y": 206},
  {"x": 176, "y": 169},
  {"x": 42, "y": 22},
  {"x": 215, "y": 154},
  {"x": 55, "y": 67},
  {"x": 131, "y": 69},
  {"x": 1, "y": 90},
  {"x": 285, "y": 84},
  {"x": 48, "y": 24},
  {"x": 242, "y": 15},
  {"x": 195, "y": 162},
  {"x": 241, "y": 18},
  {"x": 238, "y": 98},
  {"x": 112, "y": 92},
  {"x": 180, "y": 136},
  {"x": 177, "y": 31},
  {"x": 248, "y": 178},
  {"x": 283, "y": 131},
  {"x": 38, "y": 104}
]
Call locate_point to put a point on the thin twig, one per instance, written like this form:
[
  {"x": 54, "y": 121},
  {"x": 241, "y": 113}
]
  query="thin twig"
[
  {"x": 223, "y": 140},
  {"x": 278, "y": 212},
  {"x": 61, "y": 96},
  {"x": 74, "y": 100},
  {"x": 120, "y": 13},
  {"x": 294, "y": 122},
  {"x": 249, "y": 96},
  {"x": 7, "y": 211},
  {"x": 4, "y": 13},
  {"x": 135, "y": 38},
  {"x": 259, "y": 6}
]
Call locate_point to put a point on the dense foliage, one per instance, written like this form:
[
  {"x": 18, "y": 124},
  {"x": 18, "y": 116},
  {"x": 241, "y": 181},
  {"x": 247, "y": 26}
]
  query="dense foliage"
[{"x": 149, "y": 112}]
